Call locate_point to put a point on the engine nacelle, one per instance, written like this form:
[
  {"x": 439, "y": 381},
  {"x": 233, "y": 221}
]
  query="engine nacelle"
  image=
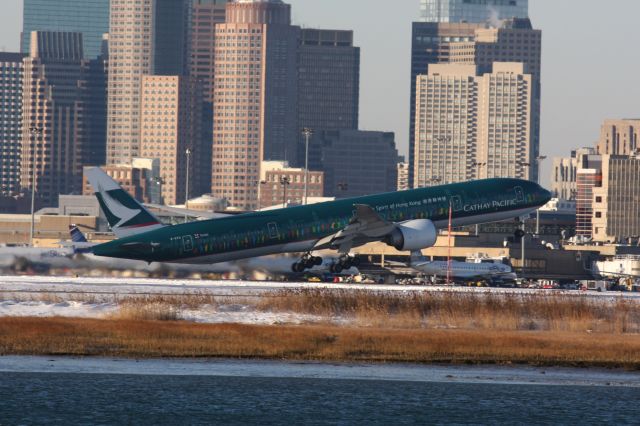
[{"x": 413, "y": 235}]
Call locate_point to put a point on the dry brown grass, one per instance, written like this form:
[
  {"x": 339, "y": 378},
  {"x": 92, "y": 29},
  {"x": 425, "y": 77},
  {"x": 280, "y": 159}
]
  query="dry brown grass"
[
  {"x": 147, "y": 312},
  {"x": 127, "y": 338},
  {"x": 465, "y": 310},
  {"x": 411, "y": 310}
]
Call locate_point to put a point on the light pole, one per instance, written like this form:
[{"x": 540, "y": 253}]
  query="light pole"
[
  {"x": 186, "y": 192},
  {"x": 284, "y": 181},
  {"x": 522, "y": 242},
  {"x": 307, "y": 132},
  {"x": 539, "y": 160},
  {"x": 33, "y": 131}
]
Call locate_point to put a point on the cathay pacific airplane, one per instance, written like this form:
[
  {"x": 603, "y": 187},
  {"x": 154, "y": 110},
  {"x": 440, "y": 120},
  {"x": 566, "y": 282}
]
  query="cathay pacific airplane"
[{"x": 407, "y": 220}]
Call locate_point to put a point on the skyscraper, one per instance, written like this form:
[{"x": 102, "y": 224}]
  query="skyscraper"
[
  {"x": 430, "y": 45},
  {"x": 471, "y": 126},
  {"x": 89, "y": 17},
  {"x": 588, "y": 179},
  {"x": 53, "y": 104},
  {"x": 472, "y": 10},
  {"x": 616, "y": 211},
  {"x": 514, "y": 41},
  {"x": 205, "y": 15},
  {"x": 564, "y": 173},
  {"x": 328, "y": 79},
  {"x": 146, "y": 37},
  {"x": 93, "y": 88},
  {"x": 255, "y": 96},
  {"x": 11, "y": 80},
  {"x": 171, "y": 125},
  {"x": 473, "y": 44},
  {"x": 446, "y": 136},
  {"x": 374, "y": 172}
]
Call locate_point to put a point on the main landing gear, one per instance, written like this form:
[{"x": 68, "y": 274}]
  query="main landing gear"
[
  {"x": 308, "y": 261},
  {"x": 345, "y": 262}
]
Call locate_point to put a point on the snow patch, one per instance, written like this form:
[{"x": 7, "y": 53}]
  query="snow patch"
[
  {"x": 207, "y": 314},
  {"x": 69, "y": 309}
]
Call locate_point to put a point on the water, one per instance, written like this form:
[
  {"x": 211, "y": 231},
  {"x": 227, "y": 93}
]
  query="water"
[{"x": 68, "y": 391}]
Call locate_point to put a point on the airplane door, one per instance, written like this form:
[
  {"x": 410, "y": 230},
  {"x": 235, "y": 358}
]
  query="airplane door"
[
  {"x": 456, "y": 203},
  {"x": 273, "y": 230},
  {"x": 187, "y": 243},
  {"x": 519, "y": 194}
]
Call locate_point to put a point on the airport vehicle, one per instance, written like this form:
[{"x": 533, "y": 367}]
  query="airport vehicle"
[
  {"x": 594, "y": 285},
  {"x": 491, "y": 270},
  {"x": 407, "y": 220}
]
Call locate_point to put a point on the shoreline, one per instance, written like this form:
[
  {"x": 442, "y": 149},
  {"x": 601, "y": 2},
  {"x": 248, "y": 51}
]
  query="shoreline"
[
  {"x": 131, "y": 339},
  {"x": 316, "y": 370}
]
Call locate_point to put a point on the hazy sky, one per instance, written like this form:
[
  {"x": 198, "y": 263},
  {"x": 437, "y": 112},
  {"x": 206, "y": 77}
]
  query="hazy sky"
[{"x": 590, "y": 61}]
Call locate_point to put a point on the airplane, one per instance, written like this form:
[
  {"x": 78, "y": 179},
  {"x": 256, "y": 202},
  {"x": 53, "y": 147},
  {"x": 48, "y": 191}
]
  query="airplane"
[
  {"x": 9, "y": 256},
  {"x": 407, "y": 220},
  {"x": 466, "y": 271}
]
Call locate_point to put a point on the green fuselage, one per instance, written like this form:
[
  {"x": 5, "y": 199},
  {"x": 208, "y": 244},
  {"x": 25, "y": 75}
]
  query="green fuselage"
[{"x": 297, "y": 229}]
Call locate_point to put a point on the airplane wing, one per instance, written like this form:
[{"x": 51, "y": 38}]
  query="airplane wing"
[
  {"x": 188, "y": 212},
  {"x": 366, "y": 226}
]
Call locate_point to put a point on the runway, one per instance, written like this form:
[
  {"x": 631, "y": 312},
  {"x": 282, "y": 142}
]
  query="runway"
[{"x": 234, "y": 288}]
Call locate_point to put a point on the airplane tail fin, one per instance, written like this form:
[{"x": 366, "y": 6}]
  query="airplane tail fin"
[
  {"x": 125, "y": 215},
  {"x": 76, "y": 234},
  {"x": 79, "y": 242},
  {"x": 416, "y": 257}
]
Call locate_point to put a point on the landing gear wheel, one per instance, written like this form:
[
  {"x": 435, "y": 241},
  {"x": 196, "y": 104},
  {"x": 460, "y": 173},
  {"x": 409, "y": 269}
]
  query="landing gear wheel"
[
  {"x": 298, "y": 267},
  {"x": 355, "y": 261},
  {"x": 337, "y": 268},
  {"x": 317, "y": 261}
]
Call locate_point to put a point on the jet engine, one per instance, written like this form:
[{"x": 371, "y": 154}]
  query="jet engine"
[{"x": 413, "y": 235}]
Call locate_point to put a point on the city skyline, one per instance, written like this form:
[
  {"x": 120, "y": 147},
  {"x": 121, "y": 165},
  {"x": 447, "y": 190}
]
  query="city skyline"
[{"x": 569, "y": 50}]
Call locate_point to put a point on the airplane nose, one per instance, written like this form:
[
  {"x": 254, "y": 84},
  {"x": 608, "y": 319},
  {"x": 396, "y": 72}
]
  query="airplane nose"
[{"x": 544, "y": 195}]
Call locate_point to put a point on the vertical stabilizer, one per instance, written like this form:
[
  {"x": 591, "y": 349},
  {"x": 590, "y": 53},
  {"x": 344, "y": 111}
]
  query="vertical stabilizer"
[
  {"x": 125, "y": 215},
  {"x": 76, "y": 234},
  {"x": 417, "y": 257}
]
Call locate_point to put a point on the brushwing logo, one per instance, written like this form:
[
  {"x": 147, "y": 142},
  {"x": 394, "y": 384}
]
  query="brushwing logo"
[{"x": 121, "y": 212}]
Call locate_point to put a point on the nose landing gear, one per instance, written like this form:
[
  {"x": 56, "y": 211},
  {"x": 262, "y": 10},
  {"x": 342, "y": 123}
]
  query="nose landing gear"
[{"x": 307, "y": 261}]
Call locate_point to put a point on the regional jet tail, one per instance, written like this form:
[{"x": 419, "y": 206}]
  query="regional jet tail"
[{"x": 125, "y": 215}]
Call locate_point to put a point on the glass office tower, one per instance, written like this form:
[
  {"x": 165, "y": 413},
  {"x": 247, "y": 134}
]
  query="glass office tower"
[
  {"x": 89, "y": 17},
  {"x": 472, "y": 11}
]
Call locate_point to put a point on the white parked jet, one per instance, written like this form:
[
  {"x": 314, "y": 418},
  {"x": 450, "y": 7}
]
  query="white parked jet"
[{"x": 489, "y": 269}]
